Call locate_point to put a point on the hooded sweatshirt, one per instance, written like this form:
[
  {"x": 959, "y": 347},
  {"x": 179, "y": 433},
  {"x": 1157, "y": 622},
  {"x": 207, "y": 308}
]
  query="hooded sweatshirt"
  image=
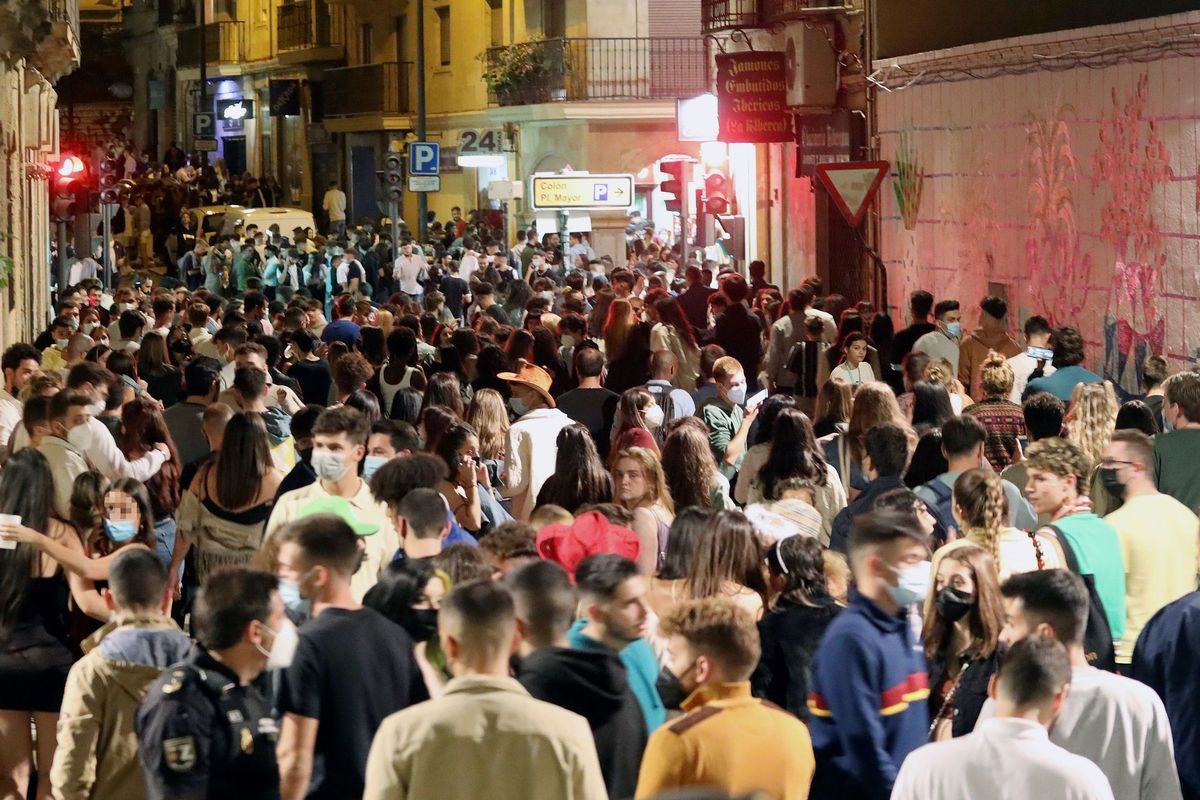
[
  {"x": 641, "y": 667},
  {"x": 974, "y": 350},
  {"x": 595, "y": 685}
]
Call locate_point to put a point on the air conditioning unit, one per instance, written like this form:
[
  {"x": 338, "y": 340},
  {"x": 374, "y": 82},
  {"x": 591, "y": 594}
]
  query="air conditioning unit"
[{"x": 812, "y": 76}]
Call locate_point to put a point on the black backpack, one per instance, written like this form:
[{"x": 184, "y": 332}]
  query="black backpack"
[{"x": 1097, "y": 636}]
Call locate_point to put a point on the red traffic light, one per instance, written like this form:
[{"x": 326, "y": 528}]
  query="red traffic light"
[
  {"x": 716, "y": 193},
  {"x": 69, "y": 168}
]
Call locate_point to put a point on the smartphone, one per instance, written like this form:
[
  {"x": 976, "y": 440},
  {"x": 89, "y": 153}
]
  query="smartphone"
[
  {"x": 756, "y": 399},
  {"x": 1040, "y": 353}
]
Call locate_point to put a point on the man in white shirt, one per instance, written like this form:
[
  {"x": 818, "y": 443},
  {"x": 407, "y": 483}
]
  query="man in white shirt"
[
  {"x": 64, "y": 446},
  {"x": 20, "y": 362},
  {"x": 82, "y": 269},
  {"x": 468, "y": 264},
  {"x": 334, "y": 204},
  {"x": 533, "y": 438},
  {"x": 101, "y": 449},
  {"x": 1009, "y": 755},
  {"x": 1037, "y": 334},
  {"x": 407, "y": 272},
  {"x": 1118, "y": 724}
]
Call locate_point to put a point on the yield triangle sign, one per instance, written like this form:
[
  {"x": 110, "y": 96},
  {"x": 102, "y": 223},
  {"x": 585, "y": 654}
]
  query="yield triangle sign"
[{"x": 853, "y": 185}]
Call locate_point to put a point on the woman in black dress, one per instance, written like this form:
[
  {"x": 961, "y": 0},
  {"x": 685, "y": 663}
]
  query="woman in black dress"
[{"x": 34, "y": 652}]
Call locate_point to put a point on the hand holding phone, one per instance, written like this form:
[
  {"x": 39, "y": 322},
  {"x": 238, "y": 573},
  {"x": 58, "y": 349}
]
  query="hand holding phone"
[
  {"x": 755, "y": 400},
  {"x": 1040, "y": 353}
]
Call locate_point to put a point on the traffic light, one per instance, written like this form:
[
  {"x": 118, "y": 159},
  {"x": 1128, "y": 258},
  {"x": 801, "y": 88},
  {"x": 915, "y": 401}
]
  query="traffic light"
[
  {"x": 704, "y": 221},
  {"x": 675, "y": 184},
  {"x": 716, "y": 193},
  {"x": 69, "y": 182},
  {"x": 109, "y": 175},
  {"x": 393, "y": 176}
]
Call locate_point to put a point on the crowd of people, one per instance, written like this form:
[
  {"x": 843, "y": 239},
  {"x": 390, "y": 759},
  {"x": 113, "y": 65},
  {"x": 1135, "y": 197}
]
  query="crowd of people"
[{"x": 520, "y": 522}]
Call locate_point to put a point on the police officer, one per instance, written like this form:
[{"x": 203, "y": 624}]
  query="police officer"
[{"x": 205, "y": 730}]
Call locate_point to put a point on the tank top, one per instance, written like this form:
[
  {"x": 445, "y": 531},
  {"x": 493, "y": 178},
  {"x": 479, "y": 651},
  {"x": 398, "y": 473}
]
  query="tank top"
[{"x": 389, "y": 390}]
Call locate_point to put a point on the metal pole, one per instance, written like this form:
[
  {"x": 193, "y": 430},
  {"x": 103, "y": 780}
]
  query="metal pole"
[
  {"x": 203, "y": 102},
  {"x": 422, "y": 197},
  {"x": 105, "y": 261},
  {"x": 394, "y": 212},
  {"x": 684, "y": 212},
  {"x": 63, "y": 265}
]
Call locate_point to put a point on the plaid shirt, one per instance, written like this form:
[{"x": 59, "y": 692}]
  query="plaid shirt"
[{"x": 1005, "y": 423}]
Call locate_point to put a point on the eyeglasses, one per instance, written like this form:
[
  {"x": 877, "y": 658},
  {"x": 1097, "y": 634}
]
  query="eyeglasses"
[{"x": 1112, "y": 462}]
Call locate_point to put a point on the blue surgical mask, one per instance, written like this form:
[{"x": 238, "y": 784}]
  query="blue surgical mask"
[
  {"x": 737, "y": 395},
  {"x": 518, "y": 406},
  {"x": 120, "y": 531},
  {"x": 954, "y": 329},
  {"x": 289, "y": 593},
  {"x": 371, "y": 465},
  {"x": 912, "y": 583}
]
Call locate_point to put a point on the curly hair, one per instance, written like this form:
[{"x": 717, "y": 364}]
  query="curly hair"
[
  {"x": 716, "y": 627},
  {"x": 1092, "y": 418},
  {"x": 1059, "y": 457},
  {"x": 996, "y": 376},
  {"x": 979, "y": 496},
  {"x": 1068, "y": 347}
]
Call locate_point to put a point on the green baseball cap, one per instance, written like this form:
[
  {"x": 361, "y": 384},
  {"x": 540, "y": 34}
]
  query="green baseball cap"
[{"x": 339, "y": 507}]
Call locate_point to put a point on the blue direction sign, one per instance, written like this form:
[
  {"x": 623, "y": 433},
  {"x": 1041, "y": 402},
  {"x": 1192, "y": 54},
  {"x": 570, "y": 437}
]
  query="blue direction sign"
[{"x": 424, "y": 158}]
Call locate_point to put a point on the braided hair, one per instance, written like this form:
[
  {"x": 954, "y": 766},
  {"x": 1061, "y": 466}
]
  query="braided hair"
[{"x": 979, "y": 496}]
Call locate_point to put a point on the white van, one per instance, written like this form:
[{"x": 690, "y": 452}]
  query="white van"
[{"x": 213, "y": 218}]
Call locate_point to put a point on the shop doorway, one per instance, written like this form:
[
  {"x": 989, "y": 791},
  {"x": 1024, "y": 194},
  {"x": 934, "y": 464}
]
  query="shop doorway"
[{"x": 235, "y": 154}]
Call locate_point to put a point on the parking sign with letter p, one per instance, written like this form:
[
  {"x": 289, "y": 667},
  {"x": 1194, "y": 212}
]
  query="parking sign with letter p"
[{"x": 424, "y": 158}]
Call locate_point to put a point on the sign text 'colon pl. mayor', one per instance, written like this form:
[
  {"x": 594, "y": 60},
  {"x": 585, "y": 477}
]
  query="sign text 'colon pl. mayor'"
[{"x": 752, "y": 97}]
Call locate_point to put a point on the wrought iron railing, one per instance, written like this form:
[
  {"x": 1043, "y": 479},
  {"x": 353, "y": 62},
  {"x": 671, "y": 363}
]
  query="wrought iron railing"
[
  {"x": 573, "y": 69},
  {"x": 720, "y": 15},
  {"x": 368, "y": 89},
  {"x": 224, "y": 43},
  {"x": 772, "y": 11},
  {"x": 308, "y": 24}
]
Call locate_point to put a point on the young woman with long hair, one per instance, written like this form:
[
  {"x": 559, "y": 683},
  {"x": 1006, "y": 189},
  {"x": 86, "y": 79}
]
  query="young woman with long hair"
[
  {"x": 155, "y": 368},
  {"x": 579, "y": 478},
  {"x": 636, "y": 417},
  {"x": 833, "y": 409},
  {"x": 518, "y": 346},
  {"x": 685, "y": 532},
  {"x": 873, "y": 403},
  {"x": 409, "y": 593},
  {"x": 690, "y": 469},
  {"x": 445, "y": 390},
  {"x": 627, "y": 348},
  {"x": 225, "y": 510},
  {"x": 545, "y": 355},
  {"x": 800, "y": 611},
  {"x": 640, "y": 486},
  {"x": 1089, "y": 425},
  {"x": 791, "y": 452},
  {"x": 144, "y": 427},
  {"x": 981, "y": 510},
  {"x": 931, "y": 406},
  {"x": 488, "y": 415},
  {"x": 34, "y": 653},
  {"x": 458, "y": 447},
  {"x": 728, "y": 563},
  {"x": 963, "y": 617},
  {"x": 673, "y": 332}
]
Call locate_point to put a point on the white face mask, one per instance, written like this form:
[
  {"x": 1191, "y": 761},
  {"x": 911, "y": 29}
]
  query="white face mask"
[
  {"x": 283, "y": 649},
  {"x": 80, "y": 438},
  {"x": 329, "y": 466}
]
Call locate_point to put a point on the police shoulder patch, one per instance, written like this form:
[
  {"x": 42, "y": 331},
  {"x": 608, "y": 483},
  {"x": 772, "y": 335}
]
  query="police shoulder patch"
[{"x": 180, "y": 753}]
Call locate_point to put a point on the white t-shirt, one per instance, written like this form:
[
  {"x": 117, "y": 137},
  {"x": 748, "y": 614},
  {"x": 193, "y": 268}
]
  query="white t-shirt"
[
  {"x": 856, "y": 376},
  {"x": 1022, "y": 367}
]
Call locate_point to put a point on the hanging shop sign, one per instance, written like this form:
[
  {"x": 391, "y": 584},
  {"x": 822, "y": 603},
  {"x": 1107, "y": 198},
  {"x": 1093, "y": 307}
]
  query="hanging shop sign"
[
  {"x": 752, "y": 97},
  {"x": 821, "y": 139},
  {"x": 285, "y": 98}
]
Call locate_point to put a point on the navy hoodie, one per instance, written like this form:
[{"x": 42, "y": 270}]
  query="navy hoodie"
[{"x": 868, "y": 705}]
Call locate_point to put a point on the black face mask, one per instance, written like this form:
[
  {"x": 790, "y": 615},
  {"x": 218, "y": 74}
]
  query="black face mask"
[
  {"x": 422, "y": 625},
  {"x": 1112, "y": 484},
  {"x": 953, "y": 604},
  {"x": 670, "y": 689}
]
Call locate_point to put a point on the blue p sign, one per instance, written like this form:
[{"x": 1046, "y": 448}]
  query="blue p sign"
[{"x": 424, "y": 158}]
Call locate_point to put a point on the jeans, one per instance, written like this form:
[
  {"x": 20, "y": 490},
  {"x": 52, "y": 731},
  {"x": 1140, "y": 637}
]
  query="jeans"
[{"x": 164, "y": 539}]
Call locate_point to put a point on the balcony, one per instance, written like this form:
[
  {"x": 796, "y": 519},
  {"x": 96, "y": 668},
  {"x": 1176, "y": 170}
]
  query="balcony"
[
  {"x": 224, "y": 43},
  {"x": 381, "y": 89},
  {"x": 310, "y": 30},
  {"x": 726, "y": 15},
  {"x": 44, "y": 31},
  {"x": 723, "y": 15},
  {"x": 557, "y": 70}
]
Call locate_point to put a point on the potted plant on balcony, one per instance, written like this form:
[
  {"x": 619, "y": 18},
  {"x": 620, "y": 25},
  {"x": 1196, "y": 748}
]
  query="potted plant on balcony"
[{"x": 526, "y": 72}]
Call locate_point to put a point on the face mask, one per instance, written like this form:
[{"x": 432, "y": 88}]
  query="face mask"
[
  {"x": 953, "y": 604},
  {"x": 329, "y": 466},
  {"x": 737, "y": 395},
  {"x": 537, "y": 263},
  {"x": 519, "y": 407},
  {"x": 289, "y": 593},
  {"x": 80, "y": 438},
  {"x": 88, "y": 327},
  {"x": 124, "y": 307},
  {"x": 371, "y": 465},
  {"x": 61, "y": 344},
  {"x": 120, "y": 531},
  {"x": 1112, "y": 484},
  {"x": 954, "y": 329},
  {"x": 671, "y": 688},
  {"x": 73, "y": 322},
  {"x": 423, "y": 624},
  {"x": 96, "y": 408},
  {"x": 912, "y": 584},
  {"x": 283, "y": 648},
  {"x": 546, "y": 295},
  {"x": 568, "y": 341},
  {"x": 1168, "y": 426}
]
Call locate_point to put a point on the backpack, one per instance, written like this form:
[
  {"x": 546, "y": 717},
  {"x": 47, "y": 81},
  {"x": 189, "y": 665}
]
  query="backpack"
[
  {"x": 1097, "y": 636},
  {"x": 662, "y": 398},
  {"x": 942, "y": 510}
]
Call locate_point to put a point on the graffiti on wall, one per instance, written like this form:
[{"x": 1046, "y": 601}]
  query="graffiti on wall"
[
  {"x": 1132, "y": 161},
  {"x": 909, "y": 180}
]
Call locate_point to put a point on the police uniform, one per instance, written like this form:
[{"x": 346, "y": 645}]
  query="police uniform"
[{"x": 201, "y": 734}]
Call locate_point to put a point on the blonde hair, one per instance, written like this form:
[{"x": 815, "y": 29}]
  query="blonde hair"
[
  {"x": 1092, "y": 418},
  {"x": 873, "y": 403},
  {"x": 996, "y": 375},
  {"x": 941, "y": 371},
  {"x": 979, "y": 495},
  {"x": 656, "y": 480},
  {"x": 489, "y": 417},
  {"x": 1059, "y": 457},
  {"x": 725, "y": 368}
]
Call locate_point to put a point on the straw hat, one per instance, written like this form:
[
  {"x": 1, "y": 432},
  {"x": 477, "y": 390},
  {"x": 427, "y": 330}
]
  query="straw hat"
[{"x": 533, "y": 376}]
